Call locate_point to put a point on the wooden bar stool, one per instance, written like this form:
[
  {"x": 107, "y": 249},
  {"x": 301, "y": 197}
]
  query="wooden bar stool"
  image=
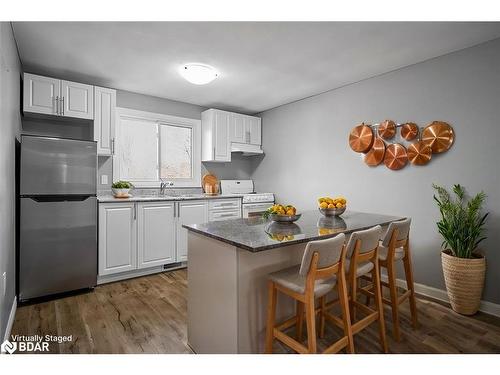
[
  {"x": 321, "y": 270},
  {"x": 396, "y": 247},
  {"x": 362, "y": 254}
]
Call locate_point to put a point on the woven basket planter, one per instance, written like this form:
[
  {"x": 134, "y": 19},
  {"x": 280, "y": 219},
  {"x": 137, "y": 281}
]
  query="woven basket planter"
[{"x": 464, "y": 279}]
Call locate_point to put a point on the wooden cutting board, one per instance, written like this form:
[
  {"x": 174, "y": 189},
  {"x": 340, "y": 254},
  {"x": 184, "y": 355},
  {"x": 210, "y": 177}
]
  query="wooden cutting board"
[{"x": 210, "y": 184}]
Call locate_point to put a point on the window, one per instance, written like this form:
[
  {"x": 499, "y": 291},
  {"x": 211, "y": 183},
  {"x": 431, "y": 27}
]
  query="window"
[{"x": 152, "y": 147}]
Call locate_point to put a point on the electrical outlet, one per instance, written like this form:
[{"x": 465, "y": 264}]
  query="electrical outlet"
[
  {"x": 4, "y": 284},
  {"x": 104, "y": 179}
]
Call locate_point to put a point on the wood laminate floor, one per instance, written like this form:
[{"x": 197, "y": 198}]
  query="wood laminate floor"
[{"x": 149, "y": 315}]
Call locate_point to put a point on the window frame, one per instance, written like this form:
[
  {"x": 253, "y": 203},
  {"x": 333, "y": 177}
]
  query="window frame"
[{"x": 160, "y": 119}]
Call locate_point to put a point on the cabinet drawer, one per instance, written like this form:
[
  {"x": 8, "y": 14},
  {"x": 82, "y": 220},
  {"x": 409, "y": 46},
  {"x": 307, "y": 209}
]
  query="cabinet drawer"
[
  {"x": 224, "y": 215},
  {"x": 219, "y": 204}
]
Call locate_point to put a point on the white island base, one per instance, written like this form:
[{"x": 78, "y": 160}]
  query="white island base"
[{"x": 227, "y": 294}]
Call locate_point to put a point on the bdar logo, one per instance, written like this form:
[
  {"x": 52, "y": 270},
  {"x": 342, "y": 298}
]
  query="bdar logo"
[{"x": 8, "y": 347}]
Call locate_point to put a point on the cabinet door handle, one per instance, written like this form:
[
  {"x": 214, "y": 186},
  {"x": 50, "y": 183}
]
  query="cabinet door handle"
[
  {"x": 135, "y": 211},
  {"x": 112, "y": 146},
  {"x": 62, "y": 106},
  {"x": 57, "y": 105}
]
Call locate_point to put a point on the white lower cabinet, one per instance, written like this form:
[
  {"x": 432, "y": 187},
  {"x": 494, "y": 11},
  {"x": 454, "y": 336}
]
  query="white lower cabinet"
[
  {"x": 189, "y": 212},
  {"x": 117, "y": 238},
  {"x": 155, "y": 234}
]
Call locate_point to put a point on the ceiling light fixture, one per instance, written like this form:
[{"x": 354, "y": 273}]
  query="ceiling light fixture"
[{"x": 198, "y": 74}]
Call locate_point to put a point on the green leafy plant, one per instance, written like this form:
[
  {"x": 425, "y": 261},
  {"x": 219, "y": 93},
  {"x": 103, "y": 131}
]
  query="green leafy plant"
[
  {"x": 122, "y": 185},
  {"x": 461, "y": 224}
]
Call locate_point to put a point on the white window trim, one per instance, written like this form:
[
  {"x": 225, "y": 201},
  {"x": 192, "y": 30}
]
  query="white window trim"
[{"x": 166, "y": 120}]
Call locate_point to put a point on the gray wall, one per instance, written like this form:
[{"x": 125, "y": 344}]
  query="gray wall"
[
  {"x": 239, "y": 168},
  {"x": 308, "y": 156},
  {"x": 10, "y": 123}
]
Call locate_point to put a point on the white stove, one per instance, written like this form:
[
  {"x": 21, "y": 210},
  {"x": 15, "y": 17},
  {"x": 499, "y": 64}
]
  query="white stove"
[{"x": 253, "y": 204}]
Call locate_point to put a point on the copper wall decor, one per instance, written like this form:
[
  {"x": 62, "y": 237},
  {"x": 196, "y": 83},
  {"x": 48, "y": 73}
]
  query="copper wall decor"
[
  {"x": 395, "y": 156},
  {"x": 387, "y": 129},
  {"x": 439, "y": 136},
  {"x": 361, "y": 138},
  {"x": 419, "y": 153},
  {"x": 409, "y": 131},
  {"x": 435, "y": 138},
  {"x": 376, "y": 154}
]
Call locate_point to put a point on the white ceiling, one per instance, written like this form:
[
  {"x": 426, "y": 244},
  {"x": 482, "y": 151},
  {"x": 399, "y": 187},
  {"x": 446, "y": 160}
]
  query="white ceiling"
[{"x": 262, "y": 64}]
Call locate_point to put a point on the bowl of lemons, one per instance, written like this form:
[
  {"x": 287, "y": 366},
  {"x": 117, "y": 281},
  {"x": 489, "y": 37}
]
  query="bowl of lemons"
[
  {"x": 332, "y": 206},
  {"x": 282, "y": 213}
]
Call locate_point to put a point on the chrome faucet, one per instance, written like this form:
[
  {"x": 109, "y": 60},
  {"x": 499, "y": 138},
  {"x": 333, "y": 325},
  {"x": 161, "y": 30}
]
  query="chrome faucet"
[{"x": 164, "y": 185}]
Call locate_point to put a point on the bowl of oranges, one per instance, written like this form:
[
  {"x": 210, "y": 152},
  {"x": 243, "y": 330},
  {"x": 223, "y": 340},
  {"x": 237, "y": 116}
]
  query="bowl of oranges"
[
  {"x": 282, "y": 213},
  {"x": 332, "y": 206}
]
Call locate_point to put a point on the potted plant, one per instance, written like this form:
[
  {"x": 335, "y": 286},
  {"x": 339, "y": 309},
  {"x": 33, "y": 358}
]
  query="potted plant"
[
  {"x": 121, "y": 189},
  {"x": 462, "y": 228}
]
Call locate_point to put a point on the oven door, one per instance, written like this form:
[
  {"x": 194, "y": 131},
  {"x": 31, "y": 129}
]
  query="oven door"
[{"x": 255, "y": 209}]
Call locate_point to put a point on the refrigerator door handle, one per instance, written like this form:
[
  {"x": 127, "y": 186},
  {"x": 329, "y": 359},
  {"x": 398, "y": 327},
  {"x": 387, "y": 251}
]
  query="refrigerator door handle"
[{"x": 60, "y": 198}]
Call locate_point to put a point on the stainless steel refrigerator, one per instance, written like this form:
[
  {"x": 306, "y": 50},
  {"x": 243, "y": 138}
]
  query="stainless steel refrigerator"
[{"x": 58, "y": 216}]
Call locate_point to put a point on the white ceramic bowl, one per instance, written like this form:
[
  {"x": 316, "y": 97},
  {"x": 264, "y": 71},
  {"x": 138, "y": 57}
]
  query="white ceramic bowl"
[{"x": 121, "y": 193}]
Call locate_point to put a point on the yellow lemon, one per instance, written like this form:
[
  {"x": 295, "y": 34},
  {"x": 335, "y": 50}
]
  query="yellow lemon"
[{"x": 323, "y": 205}]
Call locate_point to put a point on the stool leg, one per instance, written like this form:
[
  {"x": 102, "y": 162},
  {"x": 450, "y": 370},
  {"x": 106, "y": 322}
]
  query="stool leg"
[
  {"x": 344, "y": 306},
  {"x": 271, "y": 314},
  {"x": 354, "y": 294},
  {"x": 391, "y": 272},
  {"x": 322, "y": 314},
  {"x": 411, "y": 287},
  {"x": 379, "y": 305},
  {"x": 311, "y": 324},
  {"x": 300, "y": 320}
]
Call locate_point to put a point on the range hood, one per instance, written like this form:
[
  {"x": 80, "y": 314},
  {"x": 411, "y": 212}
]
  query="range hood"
[{"x": 246, "y": 149}]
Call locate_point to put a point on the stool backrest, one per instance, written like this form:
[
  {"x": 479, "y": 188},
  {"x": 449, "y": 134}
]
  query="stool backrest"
[
  {"x": 403, "y": 230},
  {"x": 367, "y": 238},
  {"x": 329, "y": 253}
]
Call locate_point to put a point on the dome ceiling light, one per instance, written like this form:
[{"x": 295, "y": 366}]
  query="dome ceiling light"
[{"x": 198, "y": 74}]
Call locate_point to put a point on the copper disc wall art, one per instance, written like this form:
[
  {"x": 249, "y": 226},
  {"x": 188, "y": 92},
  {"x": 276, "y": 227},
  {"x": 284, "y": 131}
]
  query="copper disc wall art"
[
  {"x": 409, "y": 131},
  {"x": 435, "y": 138},
  {"x": 387, "y": 129},
  {"x": 439, "y": 136},
  {"x": 361, "y": 138},
  {"x": 395, "y": 156},
  {"x": 376, "y": 154}
]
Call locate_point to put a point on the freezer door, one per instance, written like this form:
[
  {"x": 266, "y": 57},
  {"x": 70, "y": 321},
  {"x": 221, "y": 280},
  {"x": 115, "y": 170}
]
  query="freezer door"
[
  {"x": 58, "y": 245},
  {"x": 51, "y": 166}
]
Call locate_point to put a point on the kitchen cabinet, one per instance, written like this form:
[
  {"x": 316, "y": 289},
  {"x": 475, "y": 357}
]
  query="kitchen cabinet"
[
  {"x": 155, "y": 234},
  {"x": 51, "y": 96},
  {"x": 238, "y": 128},
  {"x": 215, "y": 145},
  {"x": 224, "y": 209},
  {"x": 253, "y": 127},
  {"x": 189, "y": 212},
  {"x": 77, "y": 100},
  {"x": 41, "y": 94},
  {"x": 104, "y": 120},
  {"x": 117, "y": 238}
]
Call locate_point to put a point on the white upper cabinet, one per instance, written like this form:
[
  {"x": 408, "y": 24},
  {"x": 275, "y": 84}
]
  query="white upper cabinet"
[
  {"x": 190, "y": 212},
  {"x": 77, "y": 100},
  {"x": 237, "y": 129},
  {"x": 155, "y": 234},
  {"x": 253, "y": 126},
  {"x": 220, "y": 129},
  {"x": 51, "y": 96},
  {"x": 216, "y": 145},
  {"x": 41, "y": 94},
  {"x": 104, "y": 120}
]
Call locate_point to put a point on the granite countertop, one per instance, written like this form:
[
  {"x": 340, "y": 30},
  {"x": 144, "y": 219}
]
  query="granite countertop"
[
  {"x": 152, "y": 198},
  {"x": 258, "y": 234}
]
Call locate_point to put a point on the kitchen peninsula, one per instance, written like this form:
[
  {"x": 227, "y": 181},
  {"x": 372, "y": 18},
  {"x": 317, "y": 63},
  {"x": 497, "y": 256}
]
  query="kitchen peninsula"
[{"x": 228, "y": 266}]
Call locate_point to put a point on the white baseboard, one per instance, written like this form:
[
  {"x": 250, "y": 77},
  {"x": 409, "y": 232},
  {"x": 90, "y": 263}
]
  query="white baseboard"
[
  {"x": 439, "y": 294},
  {"x": 10, "y": 322},
  {"x": 136, "y": 273}
]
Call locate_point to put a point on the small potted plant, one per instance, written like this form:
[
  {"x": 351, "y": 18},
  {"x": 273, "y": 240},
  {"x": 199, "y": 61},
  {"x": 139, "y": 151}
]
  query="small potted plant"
[
  {"x": 121, "y": 189},
  {"x": 462, "y": 228}
]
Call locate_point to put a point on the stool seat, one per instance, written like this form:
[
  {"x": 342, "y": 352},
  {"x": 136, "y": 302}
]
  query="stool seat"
[
  {"x": 291, "y": 279},
  {"x": 363, "y": 267},
  {"x": 383, "y": 251}
]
